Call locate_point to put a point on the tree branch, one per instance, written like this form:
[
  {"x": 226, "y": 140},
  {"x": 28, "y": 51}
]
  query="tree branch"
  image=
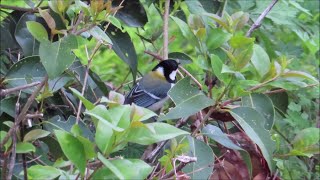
[
  {"x": 24, "y": 110},
  {"x": 257, "y": 23},
  {"x": 5, "y": 92},
  {"x": 165, "y": 29}
]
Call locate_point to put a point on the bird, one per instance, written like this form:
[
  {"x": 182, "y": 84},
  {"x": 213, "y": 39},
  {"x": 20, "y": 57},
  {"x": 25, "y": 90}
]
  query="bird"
[{"x": 152, "y": 90}]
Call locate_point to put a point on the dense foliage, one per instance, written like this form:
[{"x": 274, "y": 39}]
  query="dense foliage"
[{"x": 246, "y": 105}]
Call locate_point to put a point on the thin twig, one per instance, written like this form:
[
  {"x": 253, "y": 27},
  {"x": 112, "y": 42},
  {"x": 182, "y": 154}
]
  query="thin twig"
[
  {"x": 14, "y": 140},
  {"x": 165, "y": 29},
  {"x": 5, "y": 92},
  {"x": 33, "y": 10},
  {"x": 95, "y": 50},
  {"x": 177, "y": 169},
  {"x": 80, "y": 17},
  {"x": 24, "y": 110},
  {"x": 257, "y": 23},
  {"x": 37, "y": 115},
  {"x": 85, "y": 29}
]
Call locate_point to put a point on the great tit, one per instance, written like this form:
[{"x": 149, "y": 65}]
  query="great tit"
[{"x": 151, "y": 91}]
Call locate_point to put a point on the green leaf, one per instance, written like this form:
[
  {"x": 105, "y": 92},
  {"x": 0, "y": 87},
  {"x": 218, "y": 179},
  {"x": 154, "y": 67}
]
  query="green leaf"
[
  {"x": 128, "y": 168},
  {"x": 73, "y": 149},
  {"x": 216, "y": 37},
  {"x": 101, "y": 113},
  {"x": 188, "y": 99},
  {"x": 280, "y": 101},
  {"x": 239, "y": 41},
  {"x": 308, "y": 151},
  {"x": 85, "y": 102},
  {"x": 57, "y": 57},
  {"x": 8, "y": 143},
  {"x": 260, "y": 60},
  {"x": 37, "y": 31},
  {"x": 205, "y": 157},
  {"x": 89, "y": 147},
  {"x": 35, "y": 134},
  {"x": 180, "y": 57},
  {"x": 140, "y": 114},
  {"x": 306, "y": 137},
  {"x": 217, "y": 65},
  {"x": 112, "y": 167},
  {"x": 160, "y": 132},
  {"x": 123, "y": 47},
  {"x": 132, "y": 13},
  {"x": 186, "y": 31},
  {"x": 217, "y": 135},
  {"x": 263, "y": 105},
  {"x": 299, "y": 74},
  {"x": 43, "y": 172},
  {"x": 24, "y": 38},
  {"x": 104, "y": 137},
  {"x": 250, "y": 120},
  {"x": 25, "y": 147},
  {"x": 100, "y": 35}
]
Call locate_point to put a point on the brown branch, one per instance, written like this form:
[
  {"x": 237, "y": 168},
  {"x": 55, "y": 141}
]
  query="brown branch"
[
  {"x": 85, "y": 29},
  {"x": 24, "y": 110},
  {"x": 257, "y": 23},
  {"x": 165, "y": 28},
  {"x": 5, "y": 92},
  {"x": 80, "y": 17},
  {"x": 14, "y": 141},
  {"x": 178, "y": 168},
  {"x": 28, "y": 116}
]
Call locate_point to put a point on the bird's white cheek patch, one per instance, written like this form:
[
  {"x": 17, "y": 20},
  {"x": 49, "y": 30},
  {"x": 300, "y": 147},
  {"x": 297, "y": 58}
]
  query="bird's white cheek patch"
[{"x": 172, "y": 75}]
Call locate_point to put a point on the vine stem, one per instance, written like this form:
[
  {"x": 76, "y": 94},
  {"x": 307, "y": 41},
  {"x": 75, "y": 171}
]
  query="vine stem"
[
  {"x": 5, "y": 92},
  {"x": 257, "y": 23}
]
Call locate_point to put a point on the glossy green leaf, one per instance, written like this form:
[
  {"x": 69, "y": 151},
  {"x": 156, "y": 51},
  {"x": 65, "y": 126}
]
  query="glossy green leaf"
[
  {"x": 260, "y": 60},
  {"x": 25, "y": 39},
  {"x": 35, "y": 134},
  {"x": 73, "y": 149},
  {"x": 307, "y": 151},
  {"x": 25, "y": 147},
  {"x": 89, "y": 147},
  {"x": 153, "y": 132},
  {"x": 217, "y": 65},
  {"x": 306, "y": 137},
  {"x": 100, "y": 35},
  {"x": 111, "y": 167},
  {"x": 300, "y": 74},
  {"x": 101, "y": 113},
  {"x": 250, "y": 120},
  {"x": 205, "y": 157},
  {"x": 8, "y": 143},
  {"x": 263, "y": 105},
  {"x": 57, "y": 57},
  {"x": 140, "y": 114},
  {"x": 43, "y": 172},
  {"x": 132, "y": 13},
  {"x": 104, "y": 137},
  {"x": 185, "y": 30},
  {"x": 37, "y": 31},
  {"x": 188, "y": 99},
  {"x": 86, "y": 102},
  {"x": 180, "y": 57},
  {"x": 7, "y": 105},
  {"x": 123, "y": 47},
  {"x": 217, "y": 135},
  {"x": 216, "y": 37},
  {"x": 128, "y": 168}
]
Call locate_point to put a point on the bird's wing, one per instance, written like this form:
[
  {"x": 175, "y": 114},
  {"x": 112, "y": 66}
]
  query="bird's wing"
[{"x": 147, "y": 96}]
